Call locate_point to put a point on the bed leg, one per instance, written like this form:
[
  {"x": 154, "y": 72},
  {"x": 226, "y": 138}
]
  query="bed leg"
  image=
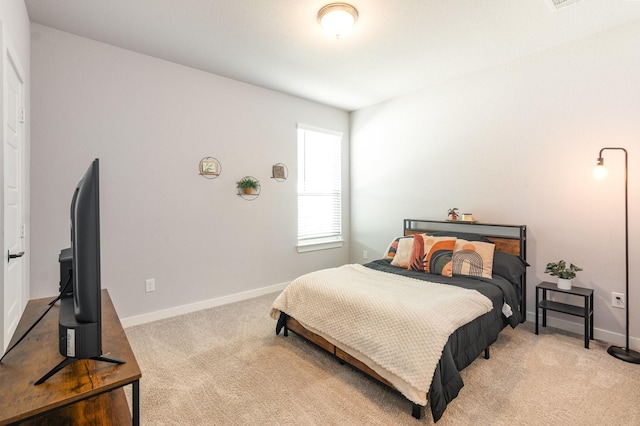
[
  {"x": 282, "y": 323},
  {"x": 486, "y": 353},
  {"x": 416, "y": 411}
]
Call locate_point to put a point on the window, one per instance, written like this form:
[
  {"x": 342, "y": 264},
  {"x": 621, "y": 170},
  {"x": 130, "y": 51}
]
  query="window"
[{"x": 319, "y": 189}]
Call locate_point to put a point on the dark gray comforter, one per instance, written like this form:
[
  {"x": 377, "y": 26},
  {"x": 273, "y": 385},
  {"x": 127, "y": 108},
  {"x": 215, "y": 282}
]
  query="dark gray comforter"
[{"x": 470, "y": 340}]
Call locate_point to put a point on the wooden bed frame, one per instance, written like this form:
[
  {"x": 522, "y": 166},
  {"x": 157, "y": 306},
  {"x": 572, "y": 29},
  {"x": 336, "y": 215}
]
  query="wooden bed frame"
[{"x": 507, "y": 238}]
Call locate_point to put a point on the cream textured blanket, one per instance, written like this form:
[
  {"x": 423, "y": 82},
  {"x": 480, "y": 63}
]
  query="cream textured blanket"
[{"x": 399, "y": 324}]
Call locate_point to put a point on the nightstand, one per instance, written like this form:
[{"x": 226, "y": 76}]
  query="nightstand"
[{"x": 585, "y": 311}]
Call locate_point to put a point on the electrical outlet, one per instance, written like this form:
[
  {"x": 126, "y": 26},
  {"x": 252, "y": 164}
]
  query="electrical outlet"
[
  {"x": 617, "y": 300},
  {"x": 150, "y": 285},
  {"x": 365, "y": 255}
]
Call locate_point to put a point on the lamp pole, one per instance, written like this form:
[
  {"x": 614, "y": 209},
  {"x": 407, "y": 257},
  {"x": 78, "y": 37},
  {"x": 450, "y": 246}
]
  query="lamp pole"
[{"x": 623, "y": 353}]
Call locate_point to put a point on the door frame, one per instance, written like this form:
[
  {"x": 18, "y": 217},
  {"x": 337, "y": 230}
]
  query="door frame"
[{"x": 10, "y": 59}]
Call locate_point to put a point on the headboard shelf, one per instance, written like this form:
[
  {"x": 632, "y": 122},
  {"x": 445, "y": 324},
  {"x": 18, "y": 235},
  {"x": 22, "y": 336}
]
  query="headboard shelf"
[{"x": 508, "y": 238}]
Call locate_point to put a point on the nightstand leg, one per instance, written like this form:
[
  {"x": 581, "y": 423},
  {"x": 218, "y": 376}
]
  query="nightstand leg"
[
  {"x": 537, "y": 301},
  {"x": 544, "y": 311},
  {"x": 592, "y": 315}
]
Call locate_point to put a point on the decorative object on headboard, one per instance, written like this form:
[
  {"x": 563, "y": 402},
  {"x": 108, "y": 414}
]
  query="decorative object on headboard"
[
  {"x": 248, "y": 188},
  {"x": 600, "y": 172},
  {"x": 468, "y": 217},
  {"x": 210, "y": 168},
  {"x": 279, "y": 172},
  {"x": 452, "y": 214}
]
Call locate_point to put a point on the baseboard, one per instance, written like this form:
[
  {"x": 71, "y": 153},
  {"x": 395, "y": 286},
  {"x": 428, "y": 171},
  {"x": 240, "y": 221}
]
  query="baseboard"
[
  {"x": 205, "y": 304},
  {"x": 617, "y": 339}
]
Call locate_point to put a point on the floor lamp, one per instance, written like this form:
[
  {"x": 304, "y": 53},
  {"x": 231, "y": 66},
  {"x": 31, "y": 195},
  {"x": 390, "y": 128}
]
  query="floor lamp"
[{"x": 623, "y": 353}]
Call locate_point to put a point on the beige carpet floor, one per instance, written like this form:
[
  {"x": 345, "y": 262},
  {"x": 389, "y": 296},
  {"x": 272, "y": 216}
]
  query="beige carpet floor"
[{"x": 226, "y": 366}]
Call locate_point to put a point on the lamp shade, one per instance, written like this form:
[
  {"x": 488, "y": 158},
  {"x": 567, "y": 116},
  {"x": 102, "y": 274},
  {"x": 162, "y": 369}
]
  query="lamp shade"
[
  {"x": 337, "y": 19},
  {"x": 600, "y": 172}
]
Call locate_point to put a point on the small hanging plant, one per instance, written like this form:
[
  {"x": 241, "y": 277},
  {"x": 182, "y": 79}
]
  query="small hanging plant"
[{"x": 248, "y": 184}]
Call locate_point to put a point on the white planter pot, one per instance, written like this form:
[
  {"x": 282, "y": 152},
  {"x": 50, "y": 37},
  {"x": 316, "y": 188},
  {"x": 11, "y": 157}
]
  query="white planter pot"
[{"x": 564, "y": 284}]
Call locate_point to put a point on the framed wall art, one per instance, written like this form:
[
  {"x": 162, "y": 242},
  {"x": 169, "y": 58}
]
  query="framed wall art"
[
  {"x": 210, "y": 168},
  {"x": 279, "y": 172}
]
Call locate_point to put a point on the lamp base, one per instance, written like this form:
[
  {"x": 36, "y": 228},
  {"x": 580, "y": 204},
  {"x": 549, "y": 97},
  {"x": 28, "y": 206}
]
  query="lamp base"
[{"x": 624, "y": 354}]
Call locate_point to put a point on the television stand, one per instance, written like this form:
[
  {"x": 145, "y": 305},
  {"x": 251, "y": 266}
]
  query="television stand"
[{"x": 86, "y": 392}]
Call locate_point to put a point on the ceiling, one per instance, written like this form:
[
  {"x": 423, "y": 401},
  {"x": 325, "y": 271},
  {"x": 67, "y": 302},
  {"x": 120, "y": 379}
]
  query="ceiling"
[{"x": 396, "y": 47}]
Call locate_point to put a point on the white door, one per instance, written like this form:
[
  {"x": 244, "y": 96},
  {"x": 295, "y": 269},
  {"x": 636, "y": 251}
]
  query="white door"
[{"x": 15, "y": 293}]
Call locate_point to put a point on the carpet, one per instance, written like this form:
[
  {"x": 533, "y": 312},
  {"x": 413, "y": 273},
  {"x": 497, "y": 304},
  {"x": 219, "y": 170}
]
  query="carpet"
[{"x": 226, "y": 366}]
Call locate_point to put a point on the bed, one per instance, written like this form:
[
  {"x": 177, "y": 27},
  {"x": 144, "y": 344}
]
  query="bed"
[{"x": 412, "y": 320}]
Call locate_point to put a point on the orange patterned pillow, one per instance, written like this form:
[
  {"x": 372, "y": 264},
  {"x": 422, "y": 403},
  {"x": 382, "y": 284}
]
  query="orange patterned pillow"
[
  {"x": 432, "y": 254},
  {"x": 473, "y": 258}
]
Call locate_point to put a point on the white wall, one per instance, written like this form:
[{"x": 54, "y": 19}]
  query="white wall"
[
  {"x": 151, "y": 122},
  {"x": 513, "y": 144},
  {"x": 15, "y": 37},
  {"x": 516, "y": 144}
]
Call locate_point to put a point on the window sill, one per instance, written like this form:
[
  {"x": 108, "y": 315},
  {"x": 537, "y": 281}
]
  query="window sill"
[{"x": 319, "y": 245}]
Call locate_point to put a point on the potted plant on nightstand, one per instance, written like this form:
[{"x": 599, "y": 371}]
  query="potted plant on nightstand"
[
  {"x": 565, "y": 274},
  {"x": 248, "y": 185}
]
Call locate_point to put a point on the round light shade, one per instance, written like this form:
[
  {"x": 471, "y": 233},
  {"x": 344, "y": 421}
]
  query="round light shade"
[
  {"x": 600, "y": 172},
  {"x": 337, "y": 18}
]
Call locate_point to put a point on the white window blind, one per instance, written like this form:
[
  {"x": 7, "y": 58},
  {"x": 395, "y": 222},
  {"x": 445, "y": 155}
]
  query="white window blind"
[{"x": 319, "y": 186}]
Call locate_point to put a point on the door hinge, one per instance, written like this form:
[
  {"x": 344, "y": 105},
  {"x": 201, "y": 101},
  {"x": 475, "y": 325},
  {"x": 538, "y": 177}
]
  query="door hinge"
[
  {"x": 22, "y": 230},
  {"x": 23, "y": 116}
]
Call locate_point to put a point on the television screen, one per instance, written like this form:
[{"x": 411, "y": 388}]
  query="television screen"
[
  {"x": 80, "y": 316},
  {"x": 85, "y": 246}
]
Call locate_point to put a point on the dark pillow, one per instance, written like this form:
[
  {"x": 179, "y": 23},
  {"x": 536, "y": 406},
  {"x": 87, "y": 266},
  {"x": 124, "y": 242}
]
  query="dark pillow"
[
  {"x": 509, "y": 266},
  {"x": 460, "y": 235}
]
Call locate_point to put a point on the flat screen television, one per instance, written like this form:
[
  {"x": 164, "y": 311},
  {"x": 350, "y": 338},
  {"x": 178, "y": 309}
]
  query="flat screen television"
[
  {"x": 80, "y": 315},
  {"x": 80, "y": 328}
]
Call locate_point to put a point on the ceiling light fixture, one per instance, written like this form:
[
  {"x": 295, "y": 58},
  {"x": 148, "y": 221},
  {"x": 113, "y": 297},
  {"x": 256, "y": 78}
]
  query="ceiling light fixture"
[{"x": 337, "y": 18}]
